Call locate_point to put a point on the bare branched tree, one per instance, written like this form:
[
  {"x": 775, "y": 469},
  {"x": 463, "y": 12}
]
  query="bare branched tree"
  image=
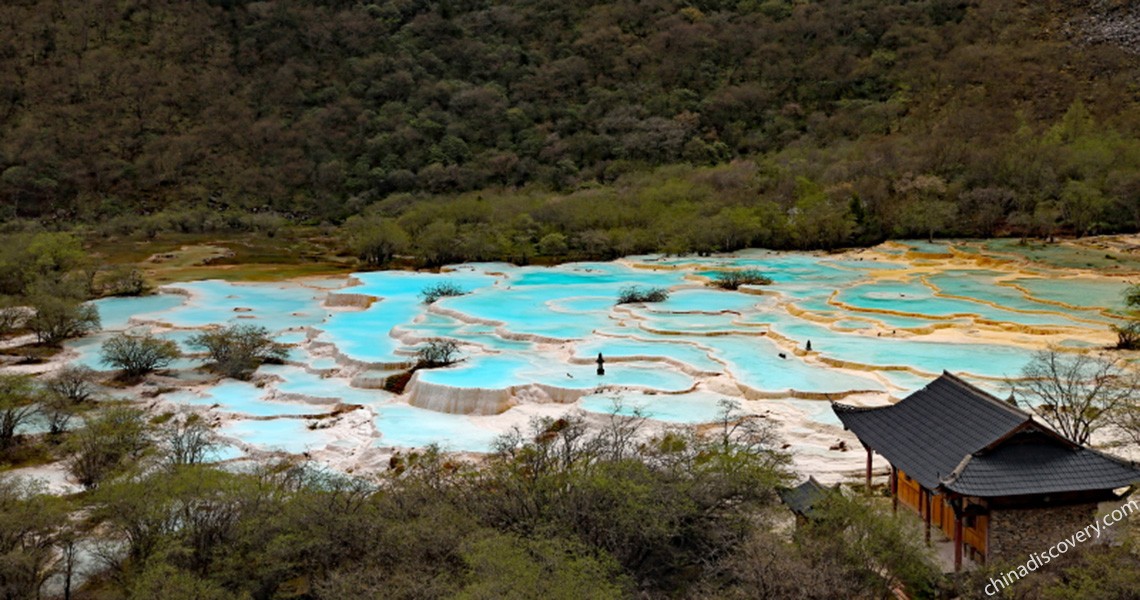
[
  {"x": 1128, "y": 420},
  {"x": 619, "y": 435},
  {"x": 1077, "y": 394},
  {"x": 74, "y": 382},
  {"x": 744, "y": 430},
  {"x": 438, "y": 352},
  {"x": 188, "y": 441}
]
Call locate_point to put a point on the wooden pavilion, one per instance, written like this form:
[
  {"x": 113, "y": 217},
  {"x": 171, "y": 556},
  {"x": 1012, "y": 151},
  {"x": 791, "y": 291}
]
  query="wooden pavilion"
[
  {"x": 994, "y": 480},
  {"x": 803, "y": 499}
]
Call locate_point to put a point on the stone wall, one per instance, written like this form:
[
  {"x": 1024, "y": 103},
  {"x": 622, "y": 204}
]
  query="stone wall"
[{"x": 1015, "y": 533}]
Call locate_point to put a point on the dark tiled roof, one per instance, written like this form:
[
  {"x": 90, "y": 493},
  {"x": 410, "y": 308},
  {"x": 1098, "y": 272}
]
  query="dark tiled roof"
[
  {"x": 1038, "y": 466},
  {"x": 803, "y": 498},
  {"x": 928, "y": 433},
  {"x": 952, "y": 436}
]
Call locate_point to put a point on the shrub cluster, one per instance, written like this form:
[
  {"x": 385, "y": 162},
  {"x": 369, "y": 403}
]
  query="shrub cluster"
[
  {"x": 732, "y": 280},
  {"x": 439, "y": 290},
  {"x": 632, "y": 294},
  {"x": 437, "y": 352}
]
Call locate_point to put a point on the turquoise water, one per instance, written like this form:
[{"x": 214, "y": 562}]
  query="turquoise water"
[
  {"x": 1104, "y": 293},
  {"x": 985, "y": 360},
  {"x": 683, "y": 323},
  {"x": 982, "y": 285},
  {"x": 364, "y": 335},
  {"x": 411, "y": 427},
  {"x": 915, "y": 298},
  {"x": 687, "y": 353},
  {"x": 926, "y": 247},
  {"x": 303, "y": 383},
  {"x": 756, "y": 362},
  {"x": 852, "y": 324},
  {"x": 243, "y": 398},
  {"x": 88, "y": 349},
  {"x": 290, "y": 337},
  {"x": 115, "y": 313},
  {"x": 706, "y": 301},
  {"x": 504, "y": 371},
  {"x": 273, "y": 306},
  {"x": 519, "y": 326}
]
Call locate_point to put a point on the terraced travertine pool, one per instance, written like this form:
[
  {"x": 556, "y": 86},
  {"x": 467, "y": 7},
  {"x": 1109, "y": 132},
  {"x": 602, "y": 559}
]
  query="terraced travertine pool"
[{"x": 880, "y": 321}]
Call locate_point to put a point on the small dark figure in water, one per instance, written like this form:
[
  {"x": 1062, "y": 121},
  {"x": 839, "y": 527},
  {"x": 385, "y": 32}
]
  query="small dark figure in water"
[
  {"x": 782, "y": 355},
  {"x": 809, "y": 346},
  {"x": 601, "y": 361}
]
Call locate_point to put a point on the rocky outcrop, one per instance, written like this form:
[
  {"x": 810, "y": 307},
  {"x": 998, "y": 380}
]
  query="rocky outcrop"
[
  {"x": 336, "y": 299},
  {"x": 1111, "y": 22}
]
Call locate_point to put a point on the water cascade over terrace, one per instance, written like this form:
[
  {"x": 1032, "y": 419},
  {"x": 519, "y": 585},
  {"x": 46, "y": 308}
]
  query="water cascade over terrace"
[{"x": 880, "y": 322}]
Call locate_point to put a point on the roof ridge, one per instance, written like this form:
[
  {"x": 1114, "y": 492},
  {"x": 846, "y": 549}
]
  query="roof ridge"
[
  {"x": 957, "y": 472},
  {"x": 835, "y": 404},
  {"x": 1023, "y": 428},
  {"x": 984, "y": 394},
  {"x": 1112, "y": 457}
]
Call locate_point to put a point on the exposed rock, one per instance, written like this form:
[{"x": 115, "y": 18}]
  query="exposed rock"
[{"x": 1109, "y": 22}]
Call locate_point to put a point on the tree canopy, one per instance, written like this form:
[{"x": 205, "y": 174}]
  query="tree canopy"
[{"x": 850, "y": 120}]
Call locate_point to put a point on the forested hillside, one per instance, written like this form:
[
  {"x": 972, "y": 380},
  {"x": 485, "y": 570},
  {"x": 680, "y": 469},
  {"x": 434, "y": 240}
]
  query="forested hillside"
[{"x": 614, "y": 125}]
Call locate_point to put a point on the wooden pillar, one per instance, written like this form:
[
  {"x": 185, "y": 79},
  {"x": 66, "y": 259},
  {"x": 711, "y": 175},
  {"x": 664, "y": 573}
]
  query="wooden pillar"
[
  {"x": 894, "y": 490},
  {"x": 926, "y": 512},
  {"x": 957, "y": 537},
  {"x": 869, "y": 452}
]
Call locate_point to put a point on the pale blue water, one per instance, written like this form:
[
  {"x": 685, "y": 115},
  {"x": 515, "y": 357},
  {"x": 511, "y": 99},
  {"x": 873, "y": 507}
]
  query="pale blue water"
[
  {"x": 986, "y": 360},
  {"x": 870, "y": 265},
  {"x": 503, "y": 371},
  {"x": 244, "y": 398},
  {"x": 816, "y": 410},
  {"x": 926, "y": 247},
  {"x": 290, "y": 337},
  {"x": 915, "y": 298},
  {"x": 706, "y": 301},
  {"x": 1078, "y": 292},
  {"x": 363, "y": 335},
  {"x": 91, "y": 354},
  {"x": 691, "y": 408},
  {"x": 519, "y": 326},
  {"x": 303, "y": 383},
  {"x": 683, "y": 323},
  {"x": 982, "y": 285},
  {"x": 115, "y": 313},
  {"x": 687, "y": 353},
  {"x": 756, "y": 362},
  {"x": 853, "y": 324},
  {"x": 37, "y": 424},
  {"x": 224, "y": 452},
  {"x": 273, "y": 306},
  {"x": 411, "y": 427},
  {"x": 286, "y": 435},
  {"x": 485, "y": 336}
]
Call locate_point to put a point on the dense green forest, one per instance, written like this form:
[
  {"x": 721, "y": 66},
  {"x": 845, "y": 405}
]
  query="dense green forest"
[{"x": 600, "y": 127}]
